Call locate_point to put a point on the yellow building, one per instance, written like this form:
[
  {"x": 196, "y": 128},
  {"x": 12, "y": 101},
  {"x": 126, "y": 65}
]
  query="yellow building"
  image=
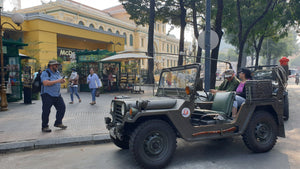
[
  {"x": 45, "y": 35},
  {"x": 66, "y": 24}
]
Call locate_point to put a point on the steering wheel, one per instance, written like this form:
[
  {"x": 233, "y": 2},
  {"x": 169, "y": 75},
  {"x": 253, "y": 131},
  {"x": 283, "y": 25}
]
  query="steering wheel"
[{"x": 202, "y": 97}]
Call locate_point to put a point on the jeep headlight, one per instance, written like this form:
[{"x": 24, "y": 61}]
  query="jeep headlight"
[
  {"x": 112, "y": 106},
  {"x": 123, "y": 109}
]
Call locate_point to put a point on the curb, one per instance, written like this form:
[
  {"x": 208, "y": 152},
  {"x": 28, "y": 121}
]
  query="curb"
[{"x": 53, "y": 142}]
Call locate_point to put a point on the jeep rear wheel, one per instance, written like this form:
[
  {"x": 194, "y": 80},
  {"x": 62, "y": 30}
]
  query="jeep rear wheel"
[
  {"x": 153, "y": 144},
  {"x": 261, "y": 133},
  {"x": 123, "y": 144}
]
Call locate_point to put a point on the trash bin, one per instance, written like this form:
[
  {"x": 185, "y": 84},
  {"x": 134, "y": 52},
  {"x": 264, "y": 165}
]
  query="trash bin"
[{"x": 27, "y": 95}]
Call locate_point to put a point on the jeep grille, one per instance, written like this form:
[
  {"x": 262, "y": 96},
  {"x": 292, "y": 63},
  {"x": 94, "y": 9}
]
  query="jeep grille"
[{"x": 117, "y": 114}]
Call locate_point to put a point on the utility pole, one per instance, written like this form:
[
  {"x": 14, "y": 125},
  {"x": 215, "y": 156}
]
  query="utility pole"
[{"x": 207, "y": 45}]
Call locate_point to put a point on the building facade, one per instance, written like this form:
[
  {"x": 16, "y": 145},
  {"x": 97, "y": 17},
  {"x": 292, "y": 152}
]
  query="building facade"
[{"x": 69, "y": 25}]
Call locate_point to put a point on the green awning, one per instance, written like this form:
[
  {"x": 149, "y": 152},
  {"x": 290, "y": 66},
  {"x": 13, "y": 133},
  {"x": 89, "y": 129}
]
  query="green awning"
[{"x": 13, "y": 43}]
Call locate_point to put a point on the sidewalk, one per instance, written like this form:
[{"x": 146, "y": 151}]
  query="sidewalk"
[{"x": 20, "y": 126}]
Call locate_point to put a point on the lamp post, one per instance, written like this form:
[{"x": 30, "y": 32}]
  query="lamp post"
[{"x": 17, "y": 19}]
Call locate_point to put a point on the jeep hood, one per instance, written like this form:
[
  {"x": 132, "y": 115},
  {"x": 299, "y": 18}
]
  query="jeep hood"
[{"x": 151, "y": 103}]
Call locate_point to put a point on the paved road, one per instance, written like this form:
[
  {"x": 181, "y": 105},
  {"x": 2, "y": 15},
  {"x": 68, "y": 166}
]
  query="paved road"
[
  {"x": 207, "y": 154},
  {"x": 202, "y": 155}
]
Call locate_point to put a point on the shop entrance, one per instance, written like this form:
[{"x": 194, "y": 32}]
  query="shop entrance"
[
  {"x": 110, "y": 73},
  {"x": 89, "y": 59}
]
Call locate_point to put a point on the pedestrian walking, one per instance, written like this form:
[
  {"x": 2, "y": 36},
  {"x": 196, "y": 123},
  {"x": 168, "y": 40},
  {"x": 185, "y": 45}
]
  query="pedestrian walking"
[
  {"x": 297, "y": 79},
  {"x": 73, "y": 80},
  {"x": 94, "y": 83},
  {"x": 50, "y": 93}
]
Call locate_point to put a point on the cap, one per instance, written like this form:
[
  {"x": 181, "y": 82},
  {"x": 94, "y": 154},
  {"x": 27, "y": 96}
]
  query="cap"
[
  {"x": 53, "y": 62},
  {"x": 228, "y": 73},
  {"x": 73, "y": 69}
]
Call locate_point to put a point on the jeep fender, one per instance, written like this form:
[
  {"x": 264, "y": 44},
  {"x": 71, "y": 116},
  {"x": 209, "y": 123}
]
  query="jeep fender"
[{"x": 247, "y": 111}]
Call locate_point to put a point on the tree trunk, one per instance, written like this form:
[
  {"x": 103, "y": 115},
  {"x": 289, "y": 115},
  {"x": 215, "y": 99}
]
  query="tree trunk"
[
  {"x": 199, "y": 54},
  {"x": 257, "y": 49},
  {"x": 182, "y": 27},
  {"x": 241, "y": 49},
  {"x": 243, "y": 36},
  {"x": 150, "y": 79},
  {"x": 215, "y": 51},
  {"x": 268, "y": 59},
  {"x": 252, "y": 60},
  {"x": 196, "y": 31}
]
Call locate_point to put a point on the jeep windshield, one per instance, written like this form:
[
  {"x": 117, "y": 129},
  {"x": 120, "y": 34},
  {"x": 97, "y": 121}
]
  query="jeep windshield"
[{"x": 173, "y": 81}]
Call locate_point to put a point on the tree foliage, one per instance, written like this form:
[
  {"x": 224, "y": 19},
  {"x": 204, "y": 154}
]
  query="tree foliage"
[
  {"x": 139, "y": 10},
  {"x": 246, "y": 23},
  {"x": 273, "y": 49},
  {"x": 241, "y": 17}
]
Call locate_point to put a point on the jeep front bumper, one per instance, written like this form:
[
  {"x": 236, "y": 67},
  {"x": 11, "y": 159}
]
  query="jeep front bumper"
[{"x": 115, "y": 129}]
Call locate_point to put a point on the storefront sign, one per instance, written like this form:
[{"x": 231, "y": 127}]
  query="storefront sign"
[
  {"x": 90, "y": 58},
  {"x": 66, "y": 53}
]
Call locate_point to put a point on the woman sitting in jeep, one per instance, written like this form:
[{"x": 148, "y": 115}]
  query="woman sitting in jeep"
[{"x": 244, "y": 75}]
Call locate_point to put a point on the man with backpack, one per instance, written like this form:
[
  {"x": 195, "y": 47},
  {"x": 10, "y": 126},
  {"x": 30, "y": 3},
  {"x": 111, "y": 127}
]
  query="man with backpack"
[{"x": 50, "y": 93}]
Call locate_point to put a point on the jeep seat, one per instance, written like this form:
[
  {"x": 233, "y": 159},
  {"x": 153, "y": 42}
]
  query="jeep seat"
[{"x": 222, "y": 104}]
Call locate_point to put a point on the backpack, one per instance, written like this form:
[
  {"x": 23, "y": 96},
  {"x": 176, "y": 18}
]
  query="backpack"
[{"x": 37, "y": 83}]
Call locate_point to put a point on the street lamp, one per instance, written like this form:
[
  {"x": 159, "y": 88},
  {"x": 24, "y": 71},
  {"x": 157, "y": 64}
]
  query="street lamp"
[{"x": 17, "y": 19}]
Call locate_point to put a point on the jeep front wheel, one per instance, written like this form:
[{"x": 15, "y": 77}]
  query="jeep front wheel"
[
  {"x": 153, "y": 144},
  {"x": 261, "y": 133},
  {"x": 123, "y": 144}
]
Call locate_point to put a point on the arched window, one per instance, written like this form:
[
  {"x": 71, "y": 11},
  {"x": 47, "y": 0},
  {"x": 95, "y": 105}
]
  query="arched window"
[
  {"x": 80, "y": 23},
  {"x": 171, "y": 48},
  {"x": 125, "y": 38},
  {"x": 109, "y": 30},
  {"x": 131, "y": 40},
  {"x": 101, "y": 28},
  {"x": 91, "y": 26},
  {"x": 117, "y": 32},
  {"x": 167, "y": 47},
  {"x": 157, "y": 27}
]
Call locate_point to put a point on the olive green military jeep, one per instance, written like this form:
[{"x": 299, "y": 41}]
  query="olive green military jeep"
[{"x": 150, "y": 127}]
